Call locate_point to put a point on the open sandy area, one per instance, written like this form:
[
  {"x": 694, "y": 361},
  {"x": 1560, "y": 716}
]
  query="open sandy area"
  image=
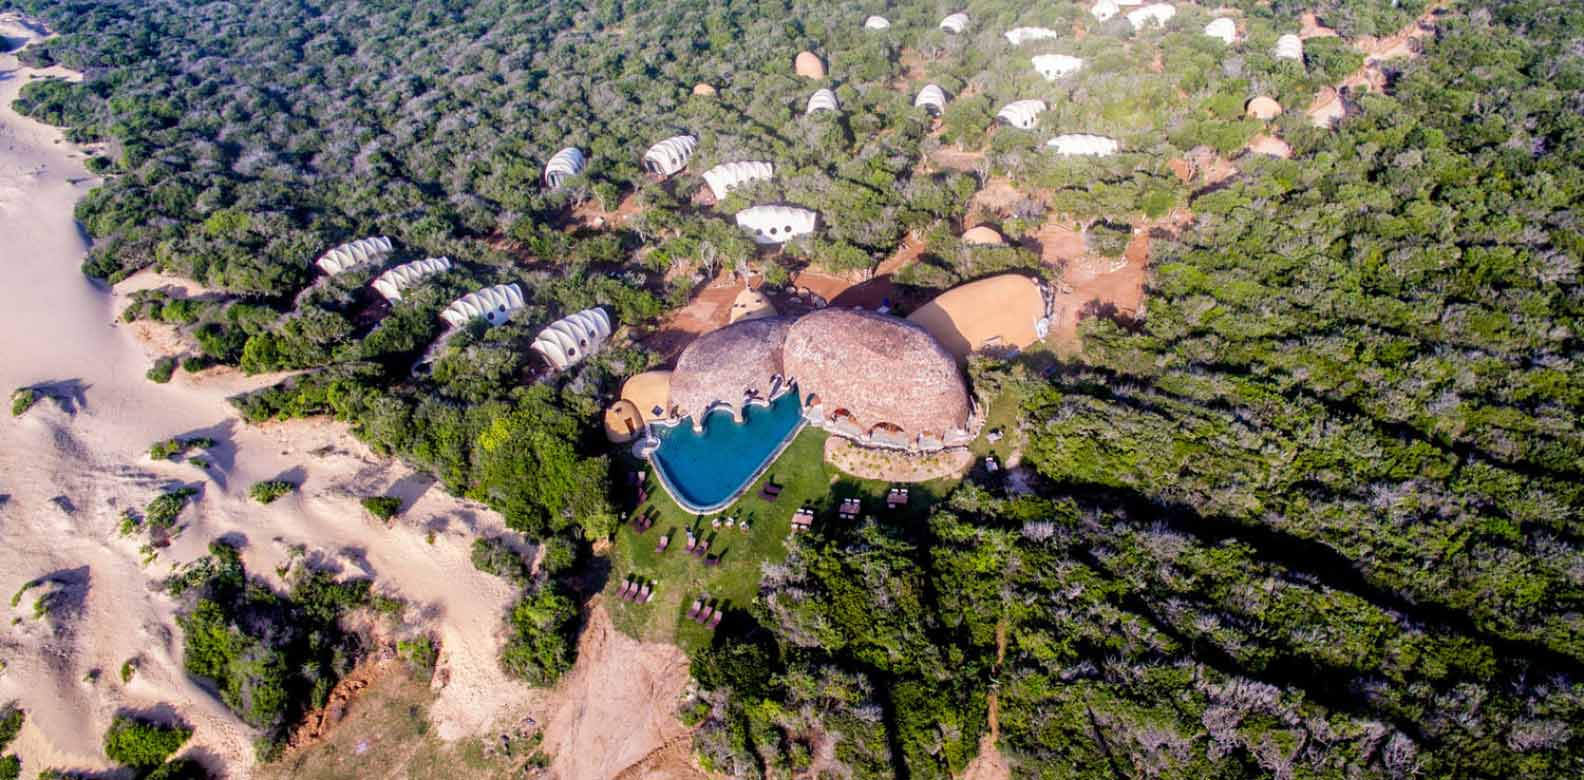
[{"x": 71, "y": 464}]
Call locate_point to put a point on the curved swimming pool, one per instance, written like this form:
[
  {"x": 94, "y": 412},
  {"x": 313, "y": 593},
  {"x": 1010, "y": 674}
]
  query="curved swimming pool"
[{"x": 706, "y": 471}]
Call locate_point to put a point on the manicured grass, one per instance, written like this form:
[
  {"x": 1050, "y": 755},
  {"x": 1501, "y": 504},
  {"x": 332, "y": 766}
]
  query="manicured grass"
[
  {"x": 806, "y": 480},
  {"x": 1004, "y": 416}
]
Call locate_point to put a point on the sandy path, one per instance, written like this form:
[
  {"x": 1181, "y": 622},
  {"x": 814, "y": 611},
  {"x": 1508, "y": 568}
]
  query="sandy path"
[{"x": 56, "y": 328}]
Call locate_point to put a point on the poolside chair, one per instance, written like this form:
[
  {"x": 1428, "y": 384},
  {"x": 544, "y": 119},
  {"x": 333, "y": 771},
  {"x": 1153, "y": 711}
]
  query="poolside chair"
[
  {"x": 715, "y": 522},
  {"x": 701, "y": 548},
  {"x": 770, "y": 492},
  {"x": 712, "y": 560},
  {"x": 715, "y": 621},
  {"x": 742, "y": 525},
  {"x": 626, "y": 586},
  {"x": 665, "y": 541},
  {"x": 709, "y": 609},
  {"x": 693, "y": 611},
  {"x": 643, "y": 595},
  {"x": 731, "y": 522},
  {"x": 692, "y": 540}
]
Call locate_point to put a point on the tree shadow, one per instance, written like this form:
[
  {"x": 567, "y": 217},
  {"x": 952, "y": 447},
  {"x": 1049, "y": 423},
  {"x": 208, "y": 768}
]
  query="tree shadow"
[{"x": 71, "y": 395}]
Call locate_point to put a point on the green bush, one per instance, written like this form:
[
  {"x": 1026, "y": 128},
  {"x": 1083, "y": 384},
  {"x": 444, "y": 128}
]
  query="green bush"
[
  {"x": 163, "y": 510},
  {"x": 162, "y": 370},
  {"x": 23, "y": 400},
  {"x": 267, "y": 491},
  {"x": 540, "y": 647},
  {"x": 494, "y": 556},
  {"x": 382, "y": 507},
  {"x": 1108, "y": 240},
  {"x": 180, "y": 769},
  {"x": 11, "y": 719},
  {"x": 420, "y": 654},
  {"x": 140, "y": 744},
  {"x": 10, "y": 768}
]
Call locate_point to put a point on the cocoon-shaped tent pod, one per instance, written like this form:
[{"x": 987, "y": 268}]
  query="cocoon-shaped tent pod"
[
  {"x": 776, "y": 224},
  {"x": 669, "y": 156},
  {"x": 566, "y": 163},
  {"x": 572, "y": 338},
  {"x": 822, "y": 100},
  {"x": 1157, "y": 13},
  {"x": 1008, "y": 311},
  {"x": 1262, "y": 108},
  {"x": 1022, "y": 114},
  {"x": 353, "y": 254},
  {"x": 1224, "y": 29},
  {"x": 1129, "y": 3},
  {"x": 932, "y": 99},
  {"x": 391, "y": 283},
  {"x": 877, "y": 23},
  {"x": 955, "y": 23},
  {"x": 983, "y": 235},
  {"x": 1289, "y": 47},
  {"x": 1104, "y": 10},
  {"x": 1055, "y": 66},
  {"x": 623, "y": 422},
  {"x": 1084, "y": 145},
  {"x": 750, "y": 304},
  {"x": 808, "y": 65},
  {"x": 1017, "y": 36},
  {"x": 724, "y": 178},
  {"x": 494, "y": 304}
]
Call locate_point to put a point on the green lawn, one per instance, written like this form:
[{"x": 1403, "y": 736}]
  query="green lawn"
[{"x": 806, "y": 480}]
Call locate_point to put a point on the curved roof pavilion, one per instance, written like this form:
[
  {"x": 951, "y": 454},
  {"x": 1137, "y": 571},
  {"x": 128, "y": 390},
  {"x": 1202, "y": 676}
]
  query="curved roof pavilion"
[
  {"x": 999, "y": 312},
  {"x": 650, "y": 392}
]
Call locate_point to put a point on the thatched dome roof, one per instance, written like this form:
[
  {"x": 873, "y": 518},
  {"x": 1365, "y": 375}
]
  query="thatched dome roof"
[
  {"x": 982, "y": 235},
  {"x": 726, "y": 365},
  {"x": 809, "y": 66},
  {"x": 623, "y": 423},
  {"x": 649, "y": 391},
  {"x": 875, "y": 370},
  {"x": 703, "y": 89},
  {"x": 1262, "y": 108},
  {"x": 1005, "y": 311}
]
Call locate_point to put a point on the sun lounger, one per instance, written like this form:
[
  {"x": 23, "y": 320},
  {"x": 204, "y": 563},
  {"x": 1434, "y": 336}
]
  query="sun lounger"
[
  {"x": 701, "y": 548},
  {"x": 693, "y": 611},
  {"x": 715, "y": 621},
  {"x": 712, "y": 560},
  {"x": 709, "y": 609},
  {"x": 715, "y": 522},
  {"x": 626, "y": 586},
  {"x": 665, "y": 541},
  {"x": 643, "y": 595},
  {"x": 692, "y": 541}
]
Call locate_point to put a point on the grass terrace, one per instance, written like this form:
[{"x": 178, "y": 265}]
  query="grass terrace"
[{"x": 805, "y": 479}]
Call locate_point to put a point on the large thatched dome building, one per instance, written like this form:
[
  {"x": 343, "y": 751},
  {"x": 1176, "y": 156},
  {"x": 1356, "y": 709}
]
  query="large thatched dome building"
[
  {"x": 865, "y": 375},
  {"x": 727, "y": 367}
]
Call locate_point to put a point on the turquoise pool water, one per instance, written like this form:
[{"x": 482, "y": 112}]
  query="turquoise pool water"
[{"x": 706, "y": 471}]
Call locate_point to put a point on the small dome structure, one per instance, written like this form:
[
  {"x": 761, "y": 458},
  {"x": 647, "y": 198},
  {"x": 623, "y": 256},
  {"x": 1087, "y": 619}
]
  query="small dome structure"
[
  {"x": 724, "y": 178},
  {"x": 1017, "y": 36},
  {"x": 565, "y": 164},
  {"x": 1083, "y": 145},
  {"x": 1104, "y": 10},
  {"x": 983, "y": 235},
  {"x": 651, "y": 393},
  {"x": 822, "y": 100},
  {"x": 354, "y": 253},
  {"x": 1223, "y": 29},
  {"x": 623, "y": 422},
  {"x": 1262, "y": 108},
  {"x": 1055, "y": 66},
  {"x": 776, "y": 224},
  {"x": 669, "y": 156},
  {"x": 1008, "y": 311},
  {"x": 932, "y": 99},
  {"x": 494, "y": 304},
  {"x": 809, "y": 65},
  {"x": 1289, "y": 47},
  {"x": 955, "y": 23},
  {"x": 1155, "y": 13},
  {"x": 860, "y": 371},
  {"x": 750, "y": 304},
  {"x": 877, "y": 23},
  {"x": 391, "y": 283},
  {"x": 1270, "y": 146},
  {"x": 725, "y": 367},
  {"x": 703, "y": 89},
  {"x": 573, "y": 338},
  {"x": 1022, "y": 114}
]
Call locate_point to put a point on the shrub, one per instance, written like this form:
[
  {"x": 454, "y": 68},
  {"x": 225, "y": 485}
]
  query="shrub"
[
  {"x": 180, "y": 769},
  {"x": 162, "y": 370},
  {"x": 382, "y": 507},
  {"x": 266, "y": 492},
  {"x": 420, "y": 654},
  {"x": 11, "y": 719},
  {"x": 494, "y": 556},
  {"x": 162, "y": 511},
  {"x": 23, "y": 400},
  {"x": 10, "y": 768},
  {"x": 128, "y": 668},
  {"x": 139, "y": 744},
  {"x": 540, "y": 648},
  {"x": 1108, "y": 240}
]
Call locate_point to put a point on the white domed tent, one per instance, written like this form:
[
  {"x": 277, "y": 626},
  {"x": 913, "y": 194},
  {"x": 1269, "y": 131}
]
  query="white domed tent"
[
  {"x": 1017, "y": 36},
  {"x": 955, "y": 23},
  {"x": 822, "y": 100},
  {"x": 877, "y": 23},
  {"x": 353, "y": 254},
  {"x": 1289, "y": 47},
  {"x": 1055, "y": 66},
  {"x": 1022, "y": 114},
  {"x": 1225, "y": 29},
  {"x": 391, "y": 283},
  {"x": 932, "y": 99},
  {"x": 724, "y": 178},
  {"x": 669, "y": 156},
  {"x": 566, "y": 163},
  {"x": 1104, "y": 10},
  {"x": 570, "y": 339},
  {"x": 1129, "y": 3},
  {"x": 494, "y": 304},
  {"x": 776, "y": 224},
  {"x": 1083, "y": 145},
  {"x": 1157, "y": 13}
]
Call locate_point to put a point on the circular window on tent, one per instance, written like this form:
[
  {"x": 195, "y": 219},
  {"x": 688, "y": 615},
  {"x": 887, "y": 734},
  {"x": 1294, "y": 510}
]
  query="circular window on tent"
[
  {"x": 772, "y": 231},
  {"x": 788, "y": 228}
]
